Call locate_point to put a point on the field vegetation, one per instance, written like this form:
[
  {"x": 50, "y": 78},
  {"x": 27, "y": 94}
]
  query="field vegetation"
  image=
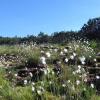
[{"x": 65, "y": 66}]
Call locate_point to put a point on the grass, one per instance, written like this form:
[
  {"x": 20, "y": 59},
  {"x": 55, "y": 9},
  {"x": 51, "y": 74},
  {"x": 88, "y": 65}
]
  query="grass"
[{"x": 68, "y": 85}]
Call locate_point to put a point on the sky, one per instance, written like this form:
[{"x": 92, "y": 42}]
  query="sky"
[{"x": 29, "y": 17}]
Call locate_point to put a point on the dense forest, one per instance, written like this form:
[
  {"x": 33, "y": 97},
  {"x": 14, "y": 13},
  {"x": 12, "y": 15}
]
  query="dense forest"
[{"x": 90, "y": 31}]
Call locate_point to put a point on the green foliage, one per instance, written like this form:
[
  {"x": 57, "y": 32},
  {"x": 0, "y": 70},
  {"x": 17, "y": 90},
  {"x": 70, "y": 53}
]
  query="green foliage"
[{"x": 93, "y": 44}]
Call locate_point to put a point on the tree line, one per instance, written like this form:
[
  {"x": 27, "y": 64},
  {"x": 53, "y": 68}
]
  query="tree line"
[{"x": 90, "y": 31}]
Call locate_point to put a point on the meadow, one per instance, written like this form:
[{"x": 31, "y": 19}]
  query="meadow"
[{"x": 69, "y": 71}]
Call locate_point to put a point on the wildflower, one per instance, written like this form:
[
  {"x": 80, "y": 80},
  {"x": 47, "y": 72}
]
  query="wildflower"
[{"x": 77, "y": 82}]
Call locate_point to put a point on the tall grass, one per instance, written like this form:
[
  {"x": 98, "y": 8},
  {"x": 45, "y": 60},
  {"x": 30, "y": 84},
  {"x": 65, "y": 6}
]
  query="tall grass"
[{"x": 68, "y": 85}]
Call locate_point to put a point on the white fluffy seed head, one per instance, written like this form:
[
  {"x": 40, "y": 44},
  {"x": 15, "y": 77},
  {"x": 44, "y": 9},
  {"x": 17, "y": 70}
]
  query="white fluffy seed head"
[
  {"x": 25, "y": 82},
  {"x": 66, "y": 60},
  {"x": 33, "y": 88},
  {"x": 39, "y": 92},
  {"x": 97, "y": 77},
  {"x": 31, "y": 74},
  {"x": 92, "y": 85},
  {"x": 72, "y": 57},
  {"x": 48, "y": 54},
  {"x": 77, "y": 82},
  {"x": 79, "y": 67},
  {"x": 65, "y": 50},
  {"x": 63, "y": 85}
]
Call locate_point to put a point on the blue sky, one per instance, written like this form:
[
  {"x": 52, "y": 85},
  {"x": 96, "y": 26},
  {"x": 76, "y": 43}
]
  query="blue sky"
[{"x": 26, "y": 17}]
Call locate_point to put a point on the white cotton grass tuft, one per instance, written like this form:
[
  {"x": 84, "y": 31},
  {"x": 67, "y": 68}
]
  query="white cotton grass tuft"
[
  {"x": 78, "y": 71},
  {"x": 63, "y": 85},
  {"x": 43, "y": 60},
  {"x": 83, "y": 62},
  {"x": 33, "y": 88},
  {"x": 66, "y": 60},
  {"x": 50, "y": 82},
  {"x": 45, "y": 71},
  {"x": 74, "y": 72},
  {"x": 65, "y": 50},
  {"x": 77, "y": 82},
  {"x": 25, "y": 82},
  {"x": 95, "y": 60},
  {"x": 97, "y": 77},
  {"x": 92, "y": 85},
  {"x": 42, "y": 51},
  {"x": 74, "y": 54},
  {"x": 16, "y": 75},
  {"x": 48, "y": 54},
  {"x": 68, "y": 81},
  {"x": 82, "y": 59},
  {"x": 39, "y": 92},
  {"x": 72, "y": 57},
  {"x": 31, "y": 75},
  {"x": 33, "y": 83},
  {"x": 79, "y": 66},
  {"x": 55, "y": 50},
  {"x": 61, "y": 53},
  {"x": 73, "y": 88}
]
